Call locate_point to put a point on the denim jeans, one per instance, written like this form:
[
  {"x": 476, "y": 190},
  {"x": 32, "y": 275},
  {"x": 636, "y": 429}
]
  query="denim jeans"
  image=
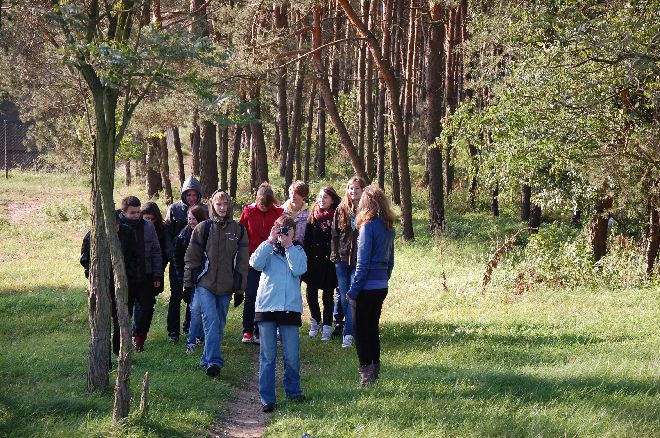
[
  {"x": 250, "y": 301},
  {"x": 195, "y": 320},
  {"x": 214, "y": 316},
  {"x": 268, "y": 356},
  {"x": 344, "y": 275}
]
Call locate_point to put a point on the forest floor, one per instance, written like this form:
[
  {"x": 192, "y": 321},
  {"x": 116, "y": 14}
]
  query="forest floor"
[{"x": 552, "y": 361}]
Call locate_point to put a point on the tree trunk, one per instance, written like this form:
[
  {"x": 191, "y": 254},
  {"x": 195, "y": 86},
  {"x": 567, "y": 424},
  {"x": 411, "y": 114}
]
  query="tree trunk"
[
  {"x": 208, "y": 177},
  {"x": 361, "y": 75},
  {"x": 369, "y": 160},
  {"x": 308, "y": 133},
  {"x": 394, "y": 172},
  {"x": 534, "y": 218},
  {"x": 195, "y": 138},
  {"x": 257, "y": 139},
  {"x": 392, "y": 84},
  {"x": 319, "y": 152},
  {"x": 495, "y": 201},
  {"x": 526, "y": 202},
  {"x": 127, "y": 172},
  {"x": 223, "y": 156},
  {"x": 154, "y": 181},
  {"x": 433, "y": 117},
  {"x": 329, "y": 101},
  {"x": 598, "y": 227},
  {"x": 235, "y": 153},
  {"x": 165, "y": 169},
  {"x": 296, "y": 122},
  {"x": 653, "y": 244},
  {"x": 282, "y": 119},
  {"x": 474, "y": 181},
  {"x": 176, "y": 141}
]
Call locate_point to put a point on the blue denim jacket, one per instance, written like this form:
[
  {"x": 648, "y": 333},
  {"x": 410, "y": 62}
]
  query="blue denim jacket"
[
  {"x": 279, "y": 284},
  {"x": 375, "y": 258}
]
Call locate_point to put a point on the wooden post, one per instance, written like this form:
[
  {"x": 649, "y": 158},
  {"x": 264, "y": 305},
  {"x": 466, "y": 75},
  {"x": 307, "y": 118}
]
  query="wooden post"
[{"x": 144, "y": 399}]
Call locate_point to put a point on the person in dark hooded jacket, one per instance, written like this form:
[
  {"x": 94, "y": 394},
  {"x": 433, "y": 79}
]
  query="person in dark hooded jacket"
[
  {"x": 176, "y": 220},
  {"x": 216, "y": 265}
]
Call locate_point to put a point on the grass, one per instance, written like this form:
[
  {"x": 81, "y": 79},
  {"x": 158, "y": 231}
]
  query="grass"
[{"x": 579, "y": 361}]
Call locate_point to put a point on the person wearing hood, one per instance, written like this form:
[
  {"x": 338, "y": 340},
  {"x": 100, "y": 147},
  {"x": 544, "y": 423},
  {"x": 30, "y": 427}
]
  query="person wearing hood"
[
  {"x": 150, "y": 261},
  {"x": 176, "y": 220},
  {"x": 296, "y": 208},
  {"x": 216, "y": 265}
]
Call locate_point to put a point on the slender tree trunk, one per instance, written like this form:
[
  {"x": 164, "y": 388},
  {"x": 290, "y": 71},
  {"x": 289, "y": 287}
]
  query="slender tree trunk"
[
  {"x": 320, "y": 139},
  {"x": 165, "y": 169},
  {"x": 495, "y": 201},
  {"x": 534, "y": 218},
  {"x": 526, "y": 202},
  {"x": 308, "y": 133},
  {"x": 598, "y": 227},
  {"x": 410, "y": 70},
  {"x": 223, "y": 156},
  {"x": 208, "y": 160},
  {"x": 257, "y": 139},
  {"x": 176, "y": 141},
  {"x": 653, "y": 244},
  {"x": 195, "y": 139},
  {"x": 380, "y": 137},
  {"x": 434, "y": 114},
  {"x": 392, "y": 84},
  {"x": 329, "y": 101},
  {"x": 361, "y": 76},
  {"x": 394, "y": 171},
  {"x": 282, "y": 119},
  {"x": 127, "y": 172},
  {"x": 235, "y": 153},
  {"x": 154, "y": 181},
  {"x": 296, "y": 122}
]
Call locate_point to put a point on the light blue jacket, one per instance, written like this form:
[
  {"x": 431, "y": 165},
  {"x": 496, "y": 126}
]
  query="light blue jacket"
[{"x": 279, "y": 284}]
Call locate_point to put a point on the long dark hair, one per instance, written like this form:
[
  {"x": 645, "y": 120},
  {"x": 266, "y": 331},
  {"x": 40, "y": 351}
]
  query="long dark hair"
[{"x": 152, "y": 209}]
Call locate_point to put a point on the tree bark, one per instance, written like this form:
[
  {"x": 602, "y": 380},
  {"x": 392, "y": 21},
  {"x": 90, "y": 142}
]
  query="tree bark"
[
  {"x": 329, "y": 101},
  {"x": 534, "y": 218},
  {"x": 433, "y": 117},
  {"x": 235, "y": 153},
  {"x": 392, "y": 84},
  {"x": 296, "y": 122},
  {"x": 526, "y": 197},
  {"x": 283, "y": 119},
  {"x": 176, "y": 141},
  {"x": 308, "y": 133},
  {"x": 653, "y": 245},
  {"x": 154, "y": 181},
  {"x": 223, "y": 156},
  {"x": 257, "y": 139},
  {"x": 208, "y": 177},
  {"x": 319, "y": 151},
  {"x": 394, "y": 171},
  {"x": 195, "y": 139},
  {"x": 495, "y": 201},
  {"x": 598, "y": 226},
  {"x": 165, "y": 169},
  {"x": 127, "y": 172}
]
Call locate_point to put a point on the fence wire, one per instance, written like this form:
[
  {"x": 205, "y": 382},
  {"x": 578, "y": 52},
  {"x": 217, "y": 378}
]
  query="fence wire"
[{"x": 16, "y": 148}]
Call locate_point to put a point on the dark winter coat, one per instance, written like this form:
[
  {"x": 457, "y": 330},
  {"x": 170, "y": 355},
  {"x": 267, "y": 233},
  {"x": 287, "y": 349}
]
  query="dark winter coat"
[
  {"x": 321, "y": 272},
  {"x": 128, "y": 243},
  {"x": 176, "y": 216},
  {"x": 226, "y": 238},
  {"x": 166, "y": 248},
  {"x": 343, "y": 247},
  {"x": 149, "y": 253},
  {"x": 180, "y": 246}
]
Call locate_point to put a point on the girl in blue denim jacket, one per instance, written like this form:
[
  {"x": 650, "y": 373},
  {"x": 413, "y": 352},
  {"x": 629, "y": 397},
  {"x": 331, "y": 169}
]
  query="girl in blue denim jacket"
[
  {"x": 279, "y": 305},
  {"x": 375, "y": 261}
]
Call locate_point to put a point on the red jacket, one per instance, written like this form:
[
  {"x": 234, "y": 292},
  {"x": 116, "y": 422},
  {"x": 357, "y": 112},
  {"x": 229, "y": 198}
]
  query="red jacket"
[{"x": 258, "y": 223}]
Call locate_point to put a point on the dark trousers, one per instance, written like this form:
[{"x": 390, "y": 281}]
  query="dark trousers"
[
  {"x": 115, "y": 323},
  {"x": 174, "y": 307},
  {"x": 328, "y": 304},
  {"x": 250, "y": 300},
  {"x": 143, "y": 298},
  {"x": 366, "y": 316}
]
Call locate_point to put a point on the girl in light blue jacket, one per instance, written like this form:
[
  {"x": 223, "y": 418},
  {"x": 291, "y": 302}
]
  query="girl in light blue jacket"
[{"x": 281, "y": 261}]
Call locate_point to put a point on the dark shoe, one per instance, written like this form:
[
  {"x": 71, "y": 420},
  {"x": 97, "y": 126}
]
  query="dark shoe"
[
  {"x": 268, "y": 408},
  {"x": 339, "y": 329},
  {"x": 213, "y": 370},
  {"x": 366, "y": 375},
  {"x": 174, "y": 338},
  {"x": 298, "y": 399}
]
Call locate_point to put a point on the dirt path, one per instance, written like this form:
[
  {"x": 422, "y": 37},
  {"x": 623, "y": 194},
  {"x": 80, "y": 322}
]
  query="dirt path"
[
  {"x": 244, "y": 418},
  {"x": 15, "y": 213}
]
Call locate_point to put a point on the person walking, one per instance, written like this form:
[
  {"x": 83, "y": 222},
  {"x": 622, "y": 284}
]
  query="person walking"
[
  {"x": 320, "y": 270},
  {"x": 369, "y": 285},
  {"x": 343, "y": 252},
  {"x": 216, "y": 264}
]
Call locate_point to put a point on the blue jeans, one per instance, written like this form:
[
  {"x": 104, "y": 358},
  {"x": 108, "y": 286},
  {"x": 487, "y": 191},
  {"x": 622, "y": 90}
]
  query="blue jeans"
[
  {"x": 195, "y": 320},
  {"x": 268, "y": 356},
  {"x": 214, "y": 316},
  {"x": 344, "y": 275}
]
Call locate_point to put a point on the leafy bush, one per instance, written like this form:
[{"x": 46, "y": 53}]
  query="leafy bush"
[{"x": 71, "y": 211}]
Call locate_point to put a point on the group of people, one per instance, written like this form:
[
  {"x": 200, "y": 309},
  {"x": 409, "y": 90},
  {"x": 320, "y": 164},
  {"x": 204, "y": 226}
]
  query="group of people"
[{"x": 343, "y": 247}]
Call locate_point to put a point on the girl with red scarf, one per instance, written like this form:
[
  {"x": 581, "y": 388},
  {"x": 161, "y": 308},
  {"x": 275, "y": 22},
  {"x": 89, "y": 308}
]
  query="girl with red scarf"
[{"x": 320, "y": 269}]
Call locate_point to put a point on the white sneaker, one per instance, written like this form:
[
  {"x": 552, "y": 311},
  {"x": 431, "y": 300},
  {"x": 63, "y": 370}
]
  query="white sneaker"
[
  {"x": 313, "y": 328},
  {"x": 347, "y": 342},
  {"x": 326, "y": 334}
]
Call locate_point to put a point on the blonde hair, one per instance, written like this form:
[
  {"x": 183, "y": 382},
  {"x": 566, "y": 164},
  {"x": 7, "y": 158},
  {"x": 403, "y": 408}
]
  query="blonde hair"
[
  {"x": 346, "y": 206},
  {"x": 374, "y": 203}
]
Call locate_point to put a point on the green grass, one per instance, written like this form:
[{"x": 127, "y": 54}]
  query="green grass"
[{"x": 579, "y": 361}]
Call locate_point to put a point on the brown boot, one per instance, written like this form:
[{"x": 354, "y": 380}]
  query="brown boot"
[{"x": 366, "y": 375}]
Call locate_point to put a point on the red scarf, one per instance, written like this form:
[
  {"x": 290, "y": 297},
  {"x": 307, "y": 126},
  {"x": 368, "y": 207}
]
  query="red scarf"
[{"x": 324, "y": 217}]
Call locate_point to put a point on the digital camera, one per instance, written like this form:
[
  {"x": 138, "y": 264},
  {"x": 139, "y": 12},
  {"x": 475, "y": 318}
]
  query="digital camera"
[{"x": 284, "y": 231}]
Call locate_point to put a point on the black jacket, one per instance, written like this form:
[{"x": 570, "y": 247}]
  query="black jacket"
[
  {"x": 128, "y": 243},
  {"x": 321, "y": 272},
  {"x": 180, "y": 246}
]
